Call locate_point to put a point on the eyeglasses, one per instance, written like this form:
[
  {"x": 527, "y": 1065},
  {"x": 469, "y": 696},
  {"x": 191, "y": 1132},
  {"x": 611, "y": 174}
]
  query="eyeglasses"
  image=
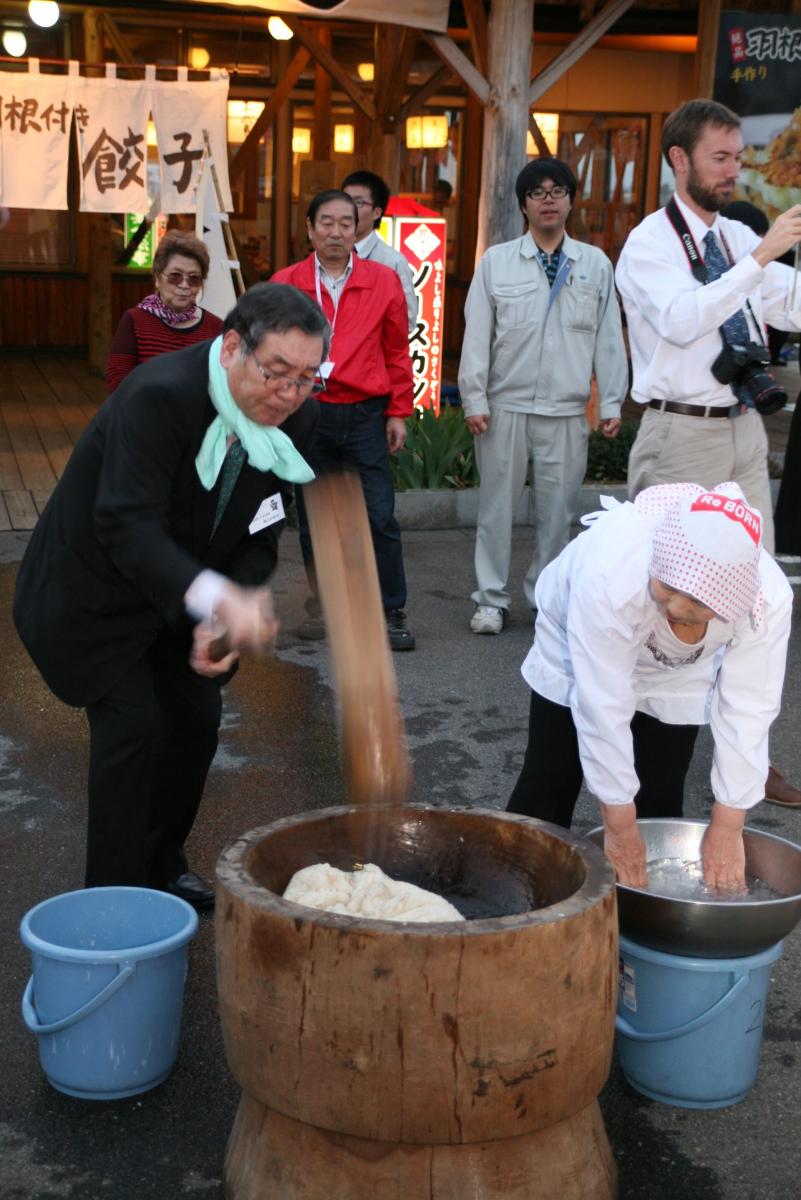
[
  {"x": 176, "y": 278},
  {"x": 360, "y": 202},
  {"x": 540, "y": 193},
  {"x": 312, "y": 386}
]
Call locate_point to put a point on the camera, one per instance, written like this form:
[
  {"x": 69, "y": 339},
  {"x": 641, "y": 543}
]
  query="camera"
[{"x": 744, "y": 368}]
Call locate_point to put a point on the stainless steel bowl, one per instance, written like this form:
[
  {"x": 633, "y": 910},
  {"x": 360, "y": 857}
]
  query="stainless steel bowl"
[{"x": 711, "y": 928}]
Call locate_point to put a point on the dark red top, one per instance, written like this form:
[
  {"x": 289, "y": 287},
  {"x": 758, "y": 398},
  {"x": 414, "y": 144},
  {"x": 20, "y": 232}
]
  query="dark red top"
[
  {"x": 141, "y": 335},
  {"x": 370, "y": 346}
]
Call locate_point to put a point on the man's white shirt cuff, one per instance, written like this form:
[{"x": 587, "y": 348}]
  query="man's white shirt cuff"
[{"x": 203, "y": 594}]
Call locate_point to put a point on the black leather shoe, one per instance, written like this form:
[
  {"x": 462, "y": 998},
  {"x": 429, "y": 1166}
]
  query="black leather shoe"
[
  {"x": 400, "y": 638},
  {"x": 193, "y": 889}
]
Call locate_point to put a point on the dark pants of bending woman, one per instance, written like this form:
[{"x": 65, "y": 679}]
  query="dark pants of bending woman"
[{"x": 551, "y": 778}]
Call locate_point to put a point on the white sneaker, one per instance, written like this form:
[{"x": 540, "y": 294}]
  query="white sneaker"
[{"x": 487, "y": 619}]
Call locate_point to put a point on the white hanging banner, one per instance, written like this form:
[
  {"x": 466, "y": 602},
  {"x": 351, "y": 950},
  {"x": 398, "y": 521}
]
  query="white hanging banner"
[
  {"x": 111, "y": 124},
  {"x": 181, "y": 112},
  {"x": 218, "y": 296},
  {"x": 35, "y": 119},
  {"x": 419, "y": 14}
]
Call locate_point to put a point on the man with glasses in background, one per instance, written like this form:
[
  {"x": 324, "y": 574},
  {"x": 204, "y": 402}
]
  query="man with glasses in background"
[
  {"x": 157, "y": 541},
  {"x": 371, "y": 196},
  {"x": 368, "y": 395},
  {"x": 541, "y": 318}
]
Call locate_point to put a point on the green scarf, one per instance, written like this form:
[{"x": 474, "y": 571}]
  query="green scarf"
[{"x": 268, "y": 449}]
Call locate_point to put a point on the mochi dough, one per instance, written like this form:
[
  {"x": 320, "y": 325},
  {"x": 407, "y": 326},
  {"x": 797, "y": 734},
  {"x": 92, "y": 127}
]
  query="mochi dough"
[{"x": 367, "y": 892}]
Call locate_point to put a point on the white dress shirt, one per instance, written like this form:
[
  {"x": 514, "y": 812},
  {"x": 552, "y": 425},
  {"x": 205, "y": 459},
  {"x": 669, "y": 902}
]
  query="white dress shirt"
[
  {"x": 603, "y": 649},
  {"x": 674, "y": 321}
]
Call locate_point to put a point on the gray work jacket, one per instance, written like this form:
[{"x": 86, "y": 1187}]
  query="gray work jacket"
[
  {"x": 522, "y": 354},
  {"x": 376, "y": 250}
]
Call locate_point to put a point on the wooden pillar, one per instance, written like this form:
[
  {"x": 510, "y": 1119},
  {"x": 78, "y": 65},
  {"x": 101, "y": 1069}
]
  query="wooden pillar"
[
  {"x": 321, "y": 135},
  {"x": 505, "y": 121},
  {"x": 653, "y": 163},
  {"x": 469, "y": 173},
  {"x": 282, "y": 170},
  {"x": 706, "y": 53},
  {"x": 98, "y": 329}
]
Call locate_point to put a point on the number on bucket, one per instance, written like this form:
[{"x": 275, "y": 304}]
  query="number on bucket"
[{"x": 627, "y": 985}]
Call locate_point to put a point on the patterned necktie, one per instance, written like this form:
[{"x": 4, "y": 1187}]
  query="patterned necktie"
[
  {"x": 232, "y": 465},
  {"x": 735, "y": 329}
]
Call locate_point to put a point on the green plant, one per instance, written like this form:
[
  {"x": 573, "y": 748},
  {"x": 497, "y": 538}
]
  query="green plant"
[
  {"x": 439, "y": 452},
  {"x": 608, "y": 458}
]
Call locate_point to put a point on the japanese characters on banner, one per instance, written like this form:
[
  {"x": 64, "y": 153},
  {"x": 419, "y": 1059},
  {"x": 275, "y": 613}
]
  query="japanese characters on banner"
[
  {"x": 758, "y": 75},
  {"x": 421, "y": 240},
  {"x": 35, "y": 124},
  {"x": 111, "y": 124},
  {"x": 111, "y": 116}
]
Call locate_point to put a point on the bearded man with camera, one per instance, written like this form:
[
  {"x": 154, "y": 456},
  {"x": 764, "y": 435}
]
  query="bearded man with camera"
[{"x": 698, "y": 290}]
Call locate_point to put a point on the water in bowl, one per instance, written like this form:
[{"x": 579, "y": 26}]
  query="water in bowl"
[{"x": 683, "y": 879}]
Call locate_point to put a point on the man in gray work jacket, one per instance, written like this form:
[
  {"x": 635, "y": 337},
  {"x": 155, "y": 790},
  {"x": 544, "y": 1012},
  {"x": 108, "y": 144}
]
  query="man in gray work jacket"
[
  {"x": 370, "y": 194},
  {"x": 541, "y": 317}
]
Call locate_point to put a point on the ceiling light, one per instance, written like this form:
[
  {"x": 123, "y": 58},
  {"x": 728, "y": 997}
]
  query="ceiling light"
[
  {"x": 427, "y": 133},
  {"x": 15, "y": 42},
  {"x": 366, "y": 72},
  {"x": 278, "y": 29},
  {"x": 301, "y": 140},
  {"x": 43, "y": 12}
]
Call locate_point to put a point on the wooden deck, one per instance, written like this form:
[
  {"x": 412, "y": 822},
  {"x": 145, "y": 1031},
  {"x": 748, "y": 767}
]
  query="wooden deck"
[{"x": 46, "y": 400}]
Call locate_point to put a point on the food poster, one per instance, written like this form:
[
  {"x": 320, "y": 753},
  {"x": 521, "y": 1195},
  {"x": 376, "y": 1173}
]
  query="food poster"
[
  {"x": 421, "y": 240},
  {"x": 758, "y": 75}
]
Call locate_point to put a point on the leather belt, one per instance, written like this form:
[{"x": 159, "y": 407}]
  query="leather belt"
[{"x": 695, "y": 410}]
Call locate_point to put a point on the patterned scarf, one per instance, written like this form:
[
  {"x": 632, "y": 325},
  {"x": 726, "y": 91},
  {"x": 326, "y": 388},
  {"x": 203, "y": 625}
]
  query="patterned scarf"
[{"x": 155, "y": 305}]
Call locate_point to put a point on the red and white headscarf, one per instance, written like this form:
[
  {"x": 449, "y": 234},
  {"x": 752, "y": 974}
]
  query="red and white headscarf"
[{"x": 707, "y": 544}]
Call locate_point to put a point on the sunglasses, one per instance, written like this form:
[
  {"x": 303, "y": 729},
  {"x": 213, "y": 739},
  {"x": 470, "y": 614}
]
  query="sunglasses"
[{"x": 176, "y": 278}]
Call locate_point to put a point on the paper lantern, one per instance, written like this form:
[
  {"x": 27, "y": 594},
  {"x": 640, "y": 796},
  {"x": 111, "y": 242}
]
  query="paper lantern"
[
  {"x": 301, "y": 140},
  {"x": 343, "y": 139},
  {"x": 366, "y": 72},
  {"x": 427, "y": 133},
  {"x": 199, "y": 58}
]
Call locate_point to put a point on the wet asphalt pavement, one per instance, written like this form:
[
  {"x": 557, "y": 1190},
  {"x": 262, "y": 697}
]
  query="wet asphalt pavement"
[{"x": 465, "y": 706}]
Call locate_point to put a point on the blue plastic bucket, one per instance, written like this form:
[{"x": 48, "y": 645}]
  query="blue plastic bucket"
[
  {"x": 689, "y": 1030},
  {"x": 105, "y": 996}
]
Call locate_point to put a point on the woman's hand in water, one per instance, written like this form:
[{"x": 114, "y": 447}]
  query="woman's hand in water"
[
  {"x": 623, "y": 845},
  {"x": 722, "y": 850}
]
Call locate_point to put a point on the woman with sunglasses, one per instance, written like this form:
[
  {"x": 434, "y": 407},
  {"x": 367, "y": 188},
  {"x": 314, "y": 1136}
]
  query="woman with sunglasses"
[{"x": 170, "y": 317}]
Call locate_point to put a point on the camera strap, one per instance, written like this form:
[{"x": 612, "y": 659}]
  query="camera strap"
[{"x": 697, "y": 266}]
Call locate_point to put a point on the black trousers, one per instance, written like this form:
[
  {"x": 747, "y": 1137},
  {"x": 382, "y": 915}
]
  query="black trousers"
[
  {"x": 551, "y": 777},
  {"x": 353, "y": 437},
  {"x": 152, "y": 739}
]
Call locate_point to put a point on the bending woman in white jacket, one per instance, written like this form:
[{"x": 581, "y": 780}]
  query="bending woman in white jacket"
[{"x": 665, "y": 615}]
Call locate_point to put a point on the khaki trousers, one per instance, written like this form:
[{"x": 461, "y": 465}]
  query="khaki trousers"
[
  {"x": 557, "y": 450},
  {"x": 672, "y": 448}
]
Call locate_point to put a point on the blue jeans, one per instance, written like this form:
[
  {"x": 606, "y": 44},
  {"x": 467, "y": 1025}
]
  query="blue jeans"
[{"x": 353, "y": 437}]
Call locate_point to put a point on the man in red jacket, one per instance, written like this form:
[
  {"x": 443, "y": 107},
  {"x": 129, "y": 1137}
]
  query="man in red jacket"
[{"x": 368, "y": 391}]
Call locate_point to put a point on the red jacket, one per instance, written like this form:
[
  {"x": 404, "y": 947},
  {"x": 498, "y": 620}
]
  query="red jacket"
[{"x": 370, "y": 346}]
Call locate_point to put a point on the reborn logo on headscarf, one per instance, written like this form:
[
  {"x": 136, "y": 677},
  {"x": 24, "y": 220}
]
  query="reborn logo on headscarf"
[{"x": 735, "y": 510}]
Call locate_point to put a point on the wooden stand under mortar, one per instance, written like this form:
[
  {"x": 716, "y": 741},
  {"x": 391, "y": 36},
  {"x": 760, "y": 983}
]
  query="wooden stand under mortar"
[{"x": 385, "y": 1061}]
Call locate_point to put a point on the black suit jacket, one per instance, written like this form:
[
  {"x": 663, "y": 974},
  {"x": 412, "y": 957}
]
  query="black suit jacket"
[{"x": 128, "y": 527}]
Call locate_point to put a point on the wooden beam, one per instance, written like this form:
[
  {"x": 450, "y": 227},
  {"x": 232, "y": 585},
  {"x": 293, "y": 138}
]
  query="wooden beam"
[
  {"x": 288, "y": 80},
  {"x": 653, "y": 166},
  {"x": 539, "y": 140},
  {"x": 281, "y": 208},
  {"x": 582, "y": 42},
  {"x": 113, "y": 35},
  {"x": 400, "y": 72},
  {"x": 98, "y": 330},
  {"x": 326, "y": 59},
  {"x": 321, "y": 130},
  {"x": 419, "y": 98},
  {"x": 461, "y": 65},
  {"x": 707, "y": 50},
  {"x": 477, "y": 29}
]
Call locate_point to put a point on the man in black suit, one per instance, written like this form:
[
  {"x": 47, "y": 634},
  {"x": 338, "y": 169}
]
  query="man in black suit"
[{"x": 136, "y": 566}]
